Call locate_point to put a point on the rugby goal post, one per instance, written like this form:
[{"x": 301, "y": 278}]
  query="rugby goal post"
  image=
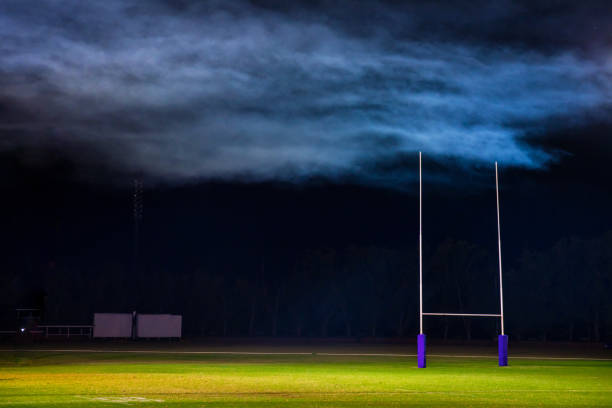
[{"x": 421, "y": 338}]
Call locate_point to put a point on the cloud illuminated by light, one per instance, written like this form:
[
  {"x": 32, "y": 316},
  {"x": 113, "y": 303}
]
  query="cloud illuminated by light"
[{"x": 227, "y": 94}]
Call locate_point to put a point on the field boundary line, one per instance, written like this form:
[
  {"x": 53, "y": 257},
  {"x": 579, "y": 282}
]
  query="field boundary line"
[{"x": 295, "y": 353}]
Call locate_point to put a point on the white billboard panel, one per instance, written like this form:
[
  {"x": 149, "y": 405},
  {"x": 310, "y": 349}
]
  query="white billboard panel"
[
  {"x": 158, "y": 325},
  {"x": 112, "y": 325}
]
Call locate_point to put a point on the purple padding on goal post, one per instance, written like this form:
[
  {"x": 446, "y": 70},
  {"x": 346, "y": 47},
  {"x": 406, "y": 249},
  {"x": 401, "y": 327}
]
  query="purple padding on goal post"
[
  {"x": 503, "y": 350},
  {"x": 421, "y": 351}
]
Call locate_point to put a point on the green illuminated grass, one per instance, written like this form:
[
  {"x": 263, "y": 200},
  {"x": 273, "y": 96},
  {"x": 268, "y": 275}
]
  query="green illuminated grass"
[{"x": 52, "y": 379}]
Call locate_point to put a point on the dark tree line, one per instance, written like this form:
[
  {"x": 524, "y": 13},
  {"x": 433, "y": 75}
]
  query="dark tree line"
[
  {"x": 565, "y": 291},
  {"x": 560, "y": 293}
]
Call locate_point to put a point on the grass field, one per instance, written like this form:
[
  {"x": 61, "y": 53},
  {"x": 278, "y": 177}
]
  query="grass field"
[{"x": 159, "y": 379}]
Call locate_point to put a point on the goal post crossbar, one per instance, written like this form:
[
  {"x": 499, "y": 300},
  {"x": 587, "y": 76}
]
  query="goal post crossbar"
[{"x": 463, "y": 314}]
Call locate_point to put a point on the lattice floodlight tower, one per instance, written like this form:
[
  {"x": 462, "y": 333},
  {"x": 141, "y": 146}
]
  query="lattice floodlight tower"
[{"x": 502, "y": 338}]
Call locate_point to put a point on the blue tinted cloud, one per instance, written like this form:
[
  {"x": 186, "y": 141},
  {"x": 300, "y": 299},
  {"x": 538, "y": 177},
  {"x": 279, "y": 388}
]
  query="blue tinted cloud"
[{"x": 242, "y": 92}]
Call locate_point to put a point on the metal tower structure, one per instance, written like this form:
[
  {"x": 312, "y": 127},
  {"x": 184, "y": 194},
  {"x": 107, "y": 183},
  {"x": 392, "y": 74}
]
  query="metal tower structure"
[{"x": 137, "y": 214}]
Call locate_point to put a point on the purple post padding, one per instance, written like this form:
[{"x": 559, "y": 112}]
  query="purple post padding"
[
  {"x": 503, "y": 350},
  {"x": 421, "y": 351}
]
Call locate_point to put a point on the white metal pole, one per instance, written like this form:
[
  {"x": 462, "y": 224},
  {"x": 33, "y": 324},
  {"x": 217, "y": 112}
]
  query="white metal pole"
[
  {"x": 501, "y": 290},
  {"x": 420, "y": 247}
]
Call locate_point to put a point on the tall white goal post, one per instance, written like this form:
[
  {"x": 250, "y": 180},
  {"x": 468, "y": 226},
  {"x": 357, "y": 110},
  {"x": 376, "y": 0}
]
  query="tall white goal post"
[{"x": 421, "y": 338}]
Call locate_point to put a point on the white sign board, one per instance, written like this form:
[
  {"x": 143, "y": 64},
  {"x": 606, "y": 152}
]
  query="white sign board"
[
  {"x": 159, "y": 325},
  {"x": 112, "y": 325}
]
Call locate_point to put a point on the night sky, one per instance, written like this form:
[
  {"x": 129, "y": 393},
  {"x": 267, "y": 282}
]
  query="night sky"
[{"x": 266, "y": 132}]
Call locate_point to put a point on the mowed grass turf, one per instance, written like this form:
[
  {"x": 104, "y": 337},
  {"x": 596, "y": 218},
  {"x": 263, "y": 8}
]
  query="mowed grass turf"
[{"x": 81, "y": 379}]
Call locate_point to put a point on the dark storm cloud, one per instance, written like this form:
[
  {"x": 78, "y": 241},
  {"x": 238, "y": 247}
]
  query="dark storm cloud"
[{"x": 226, "y": 90}]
